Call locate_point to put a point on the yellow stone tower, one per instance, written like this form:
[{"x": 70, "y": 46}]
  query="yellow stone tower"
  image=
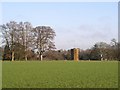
[{"x": 75, "y": 54}]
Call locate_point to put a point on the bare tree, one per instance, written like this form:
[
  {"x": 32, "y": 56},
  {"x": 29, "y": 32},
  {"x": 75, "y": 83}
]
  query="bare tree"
[
  {"x": 9, "y": 33},
  {"x": 43, "y": 37},
  {"x": 25, "y": 37},
  {"x": 4, "y": 35},
  {"x": 5, "y": 40},
  {"x": 20, "y": 33}
]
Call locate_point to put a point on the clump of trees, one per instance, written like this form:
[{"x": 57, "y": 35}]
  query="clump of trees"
[
  {"x": 25, "y": 42},
  {"x": 22, "y": 40},
  {"x": 101, "y": 51}
]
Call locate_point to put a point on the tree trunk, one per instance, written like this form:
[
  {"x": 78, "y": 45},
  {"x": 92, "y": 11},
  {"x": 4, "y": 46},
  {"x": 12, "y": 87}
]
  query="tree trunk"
[
  {"x": 25, "y": 54},
  {"x": 101, "y": 57},
  {"x": 13, "y": 55},
  {"x": 41, "y": 57},
  {"x": 26, "y": 57}
]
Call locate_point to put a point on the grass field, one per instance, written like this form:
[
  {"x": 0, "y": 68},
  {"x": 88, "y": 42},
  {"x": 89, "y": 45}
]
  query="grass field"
[
  {"x": 0, "y": 74},
  {"x": 60, "y": 74}
]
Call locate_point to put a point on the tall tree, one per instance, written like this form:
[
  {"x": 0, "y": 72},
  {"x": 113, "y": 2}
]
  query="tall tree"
[
  {"x": 12, "y": 26},
  {"x": 25, "y": 36},
  {"x": 9, "y": 33},
  {"x": 44, "y": 36},
  {"x": 17, "y": 33}
]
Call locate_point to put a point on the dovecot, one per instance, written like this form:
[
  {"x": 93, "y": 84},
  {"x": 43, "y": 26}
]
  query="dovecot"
[{"x": 75, "y": 54}]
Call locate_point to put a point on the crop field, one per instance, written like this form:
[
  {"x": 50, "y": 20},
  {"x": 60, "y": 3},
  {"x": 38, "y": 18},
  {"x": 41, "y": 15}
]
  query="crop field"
[{"x": 60, "y": 74}]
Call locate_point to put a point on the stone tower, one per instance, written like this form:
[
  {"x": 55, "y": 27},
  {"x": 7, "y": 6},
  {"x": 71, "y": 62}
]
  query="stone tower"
[{"x": 75, "y": 54}]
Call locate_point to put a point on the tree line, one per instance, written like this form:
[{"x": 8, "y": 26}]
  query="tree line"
[
  {"x": 99, "y": 51},
  {"x": 102, "y": 51},
  {"x": 22, "y": 41}
]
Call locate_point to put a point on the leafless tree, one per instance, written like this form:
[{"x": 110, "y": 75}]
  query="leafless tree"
[
  {"x": 25, "y": 35},
  {"x": 21, "y": 33},
  {"x": 43, "y": 38},
  {"x": 9, "y": 33}
]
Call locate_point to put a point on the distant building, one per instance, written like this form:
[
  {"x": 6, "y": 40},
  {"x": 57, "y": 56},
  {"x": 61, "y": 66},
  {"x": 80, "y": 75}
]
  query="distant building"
[{"x": 75, "y": 54}]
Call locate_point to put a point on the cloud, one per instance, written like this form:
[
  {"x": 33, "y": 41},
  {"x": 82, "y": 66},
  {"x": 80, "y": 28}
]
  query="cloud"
[{"x": 85, "y": 35}]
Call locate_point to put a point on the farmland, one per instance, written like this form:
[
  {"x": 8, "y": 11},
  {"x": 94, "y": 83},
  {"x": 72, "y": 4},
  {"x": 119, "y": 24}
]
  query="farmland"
[{"x": 59, "y": 74}]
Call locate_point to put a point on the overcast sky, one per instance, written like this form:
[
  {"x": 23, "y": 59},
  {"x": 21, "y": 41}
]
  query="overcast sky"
[{"x": 76, "y": 24}]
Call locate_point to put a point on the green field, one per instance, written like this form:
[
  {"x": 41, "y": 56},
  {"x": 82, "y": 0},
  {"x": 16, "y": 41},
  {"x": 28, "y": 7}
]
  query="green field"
[
  {"x": 0, "y": 74},
  {"x": 59, "y": 74}
]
